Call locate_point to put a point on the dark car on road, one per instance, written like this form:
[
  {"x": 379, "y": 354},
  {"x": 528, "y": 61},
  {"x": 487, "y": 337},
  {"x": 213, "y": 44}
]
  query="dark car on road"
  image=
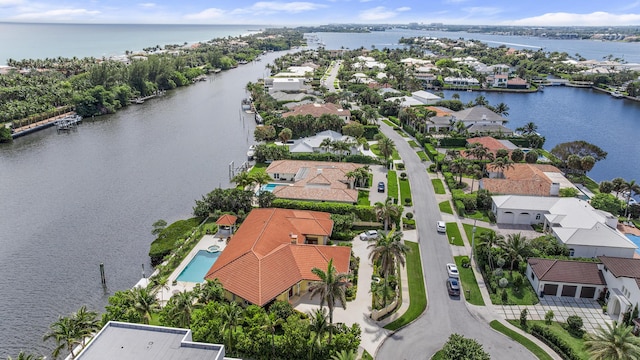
[
  {"x": 381, "y": 186},
  {"x": 453, "y": 286}
]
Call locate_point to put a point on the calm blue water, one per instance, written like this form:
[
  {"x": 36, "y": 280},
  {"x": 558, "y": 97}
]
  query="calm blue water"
[
  {"x": 270, "y": 187},
  {"x": 567, "y": 114},
  {"x": 198, "y": 267},
  {"x": 39, "y": 41}
]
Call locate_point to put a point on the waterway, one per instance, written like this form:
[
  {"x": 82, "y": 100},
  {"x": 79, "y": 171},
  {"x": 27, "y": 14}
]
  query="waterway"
[{"x": 73, "y": 201}]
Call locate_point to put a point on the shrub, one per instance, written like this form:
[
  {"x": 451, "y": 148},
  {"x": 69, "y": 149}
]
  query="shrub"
[
  {"x": 504, "y": 296},
  {"x": 517, "y": 281},
  {"x": 362, "y": 212},
  {"x": 523, "y": 319},
  {"x": 459, "y": 207},
  {"x": 503, "y": 282},
  {"x": 403, "y": 175},
  {"x": 499, "y": 273},
  {"x": 556, "y": 343},
  {"x": 574, "y": 326},
  {"x": 432, "y": 168},
  {"x": 469, "y": 204},
  {"x": 407, "y": 201},
  {"x": 548, "y": 317}
]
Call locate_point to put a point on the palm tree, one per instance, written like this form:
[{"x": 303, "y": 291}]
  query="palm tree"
[
  {"x": 326, "y": 144},
  {"x": 231, "y": 314},
  {"x": 631, "y": 188},
  {"x": 144, "y": 302},
  {"x": 181, "y": 308},
  {"x": 502, "y": 109},
  {"x": 24, "y": 356},
  {"x": 616, "y": 342},
  {"x": 386, "y": 147},
  {"x": 529, "y": 128},
  {"x": 318, "y": 325},
  {"x": 388, "y": 212},
  {"x": 458, "y": 166},
  {"x": 87, "y": 322},
  {"x": 260, "y": 177},
  {"x": 388, "y": 251},
  {"x": 487, "y": 240},
  {"x": 67, "y": 335},
  {"x": 331, "y": 288},
  {"x": 270, "y": 324},
  {"x": 516, "y": 246},
  {"x": 501, "y": 164},
  {"x": 243, "y": 179},
  {"x": 345, "y": 355},
  {"x": 211, "y": 290}
]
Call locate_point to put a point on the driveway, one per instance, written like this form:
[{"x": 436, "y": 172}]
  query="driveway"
[
  {"x": 328, "y": 83},
  {"x": 444, "y": 315}
]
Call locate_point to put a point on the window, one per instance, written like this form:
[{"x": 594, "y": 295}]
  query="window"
[
  {"x": 538, "y": 216},
  {"x": 533, "y": 277},
  {"x": 276, "y": 176},
  {"x": 572, "y": 252}
]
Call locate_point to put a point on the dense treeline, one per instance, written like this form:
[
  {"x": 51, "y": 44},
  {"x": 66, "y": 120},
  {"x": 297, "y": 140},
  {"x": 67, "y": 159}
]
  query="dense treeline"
[{"x": 101, "y": 86}]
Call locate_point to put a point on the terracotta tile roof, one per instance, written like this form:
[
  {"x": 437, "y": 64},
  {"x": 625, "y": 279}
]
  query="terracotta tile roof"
[
  {"x": 489, "y": 142},
  {"x": 261, "y": 262},
  {"x": 316, "y": 180},
  {"x": 522, "y": 179},
  {"x": 316, "y": 110},
  {"x": 440, "y": 111},
  {"x": 226, "y": 220},
  {"x": 517, "y": 81},
  {"x": 622, "y": 267},
  {"x": 575, "y": 272}
]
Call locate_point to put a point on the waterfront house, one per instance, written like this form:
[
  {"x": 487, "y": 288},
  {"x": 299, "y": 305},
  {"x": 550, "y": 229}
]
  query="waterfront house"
[
  {"x": 622, "y": 276},
  {"x": 314, "y": 143},
  {"x": 314, "y": 180},
  {"x": 525, "y": 179},
  {"x": 579, "y": 279},
  {"x": 316, "y": 110},
  {"x": 517, "y": 83},
  {"x": 587, "y": 232},
  {"x": 272, "y": 254},
  {"x": 491, "y": 144},
  {"x": 461, "y": 82},
  {"x": 129, "y": 341},
  {"x": 417, "y": 98}
]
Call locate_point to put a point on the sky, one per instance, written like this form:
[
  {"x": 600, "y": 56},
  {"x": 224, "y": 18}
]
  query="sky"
[{"x": 320, "y": 12}]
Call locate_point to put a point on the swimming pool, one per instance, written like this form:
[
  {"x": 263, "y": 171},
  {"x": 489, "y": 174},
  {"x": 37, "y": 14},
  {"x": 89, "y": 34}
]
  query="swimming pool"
[
  {"x": 635, "y": 239},
  {"x": 198, "y": 267},
  {"x": 270, "y": 187}
]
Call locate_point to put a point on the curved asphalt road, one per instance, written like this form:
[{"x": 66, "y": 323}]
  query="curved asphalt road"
[{"x": 444, "y": 315}]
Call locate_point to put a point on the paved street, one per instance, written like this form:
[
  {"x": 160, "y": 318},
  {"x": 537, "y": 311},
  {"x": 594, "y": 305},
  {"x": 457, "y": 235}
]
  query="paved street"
[{"x": 444, "y": 315}]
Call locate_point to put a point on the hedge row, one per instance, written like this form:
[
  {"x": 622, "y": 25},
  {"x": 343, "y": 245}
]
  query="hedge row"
[
  {"x": 453, "y": 142},
  {"x": 431, "y": 151},
  {"x": 394, "y": 120},
  {"x": 370, "y": 131},
  {"x": 555, "y": 342},
  {"x": 360, "y": 159},
  {"x": 165, "y": 243},
  {"x": 364, "y": 213}
]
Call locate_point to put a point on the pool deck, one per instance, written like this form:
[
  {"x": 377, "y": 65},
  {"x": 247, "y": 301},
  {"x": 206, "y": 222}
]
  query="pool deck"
[
  {"x": 207, "y": 240},
  {"x": 626, "y": 229}
]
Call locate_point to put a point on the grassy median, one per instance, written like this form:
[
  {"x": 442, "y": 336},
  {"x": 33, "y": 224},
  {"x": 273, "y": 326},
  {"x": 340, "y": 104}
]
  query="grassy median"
[{"x": 417, "y": 292}]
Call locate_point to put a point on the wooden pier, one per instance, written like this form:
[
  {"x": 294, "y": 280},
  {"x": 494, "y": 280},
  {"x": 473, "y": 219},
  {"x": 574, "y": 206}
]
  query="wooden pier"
[
  {"x": 68, "y": 123},
  {"x": 40, "y": 125}
]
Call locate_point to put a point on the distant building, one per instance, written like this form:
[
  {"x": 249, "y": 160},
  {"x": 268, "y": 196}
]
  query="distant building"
[
  {"x": 316, "y": 110},
  {"x": 526, "y": 179}
]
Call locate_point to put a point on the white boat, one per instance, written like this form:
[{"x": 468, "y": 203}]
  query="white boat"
[
  {"x": 617, "y": 95},
  {"x": 251, "y": 152}
]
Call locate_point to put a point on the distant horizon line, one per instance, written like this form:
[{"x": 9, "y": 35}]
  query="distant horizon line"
[{"x": 319, "y": 25}]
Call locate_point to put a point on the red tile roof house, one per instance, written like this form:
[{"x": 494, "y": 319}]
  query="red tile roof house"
[
  {"x": 314, "y": 180},
  {"x": 492, "y": 144},
  {"x": 579, "y": 279},
  {"x": 271, "y": 255},
  {"x": 316, "y": 110},
  {"x": 526, "y": 179}
]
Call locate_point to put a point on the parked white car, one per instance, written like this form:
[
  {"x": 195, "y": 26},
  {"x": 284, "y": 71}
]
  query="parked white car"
[
  {"x": 369, "y": 235},
  {"x": 441, "y": 227},
  {"x": 452, "y": 270}
]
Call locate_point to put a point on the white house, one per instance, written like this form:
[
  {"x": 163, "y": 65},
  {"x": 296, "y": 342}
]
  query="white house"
[
  {"x": 426, "y": 97},
  {"x": 622, "y": 276},
  {"x": 585, "y": 231},
  {"x": 285, "y": 84},
  {"x": 312, "y": 143},
  {"x": 579, "y": 279}
]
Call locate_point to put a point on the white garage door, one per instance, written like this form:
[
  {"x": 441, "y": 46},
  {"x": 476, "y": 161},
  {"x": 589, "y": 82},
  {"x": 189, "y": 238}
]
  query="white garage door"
[{"x": 507, "y": 218}]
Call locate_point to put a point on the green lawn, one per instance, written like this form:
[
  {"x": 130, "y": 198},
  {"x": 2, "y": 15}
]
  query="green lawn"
[
  {"x": 413, "y": 144},
  {"x": 401, "y": 132},
  {"x": 405, "y": 192},
  {"x": 417, "y": 293},
  {"x": 363, "y": 198},
  {"x": 257, "y": 167},
  {"x": 453, "y": 233},
  {"x": 530, "y": 345},
  {"x": 469, "y": 283},
  {"x": 468, "y": 229},
  {"x": 438, "y": 186},
  {"x": 392, "y": 184},
  {"x": 481, "y": 215},
  {"x": 577, "y": 344},
  {"x": 422, "y": 155},
  {"x": 376, "y": 150},
  {"x": 524, "y": 296},
  {"x": 395, "y": 155},
  {"x": 388, "y": 122},
  {"x": 445, "y": 207}
]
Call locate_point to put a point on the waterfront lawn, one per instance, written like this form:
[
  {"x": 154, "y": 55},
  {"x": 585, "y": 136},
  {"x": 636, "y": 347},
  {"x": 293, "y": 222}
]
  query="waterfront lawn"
[
  {"x": 166, "y": 240},
  {"x": 413, "y": 144},
  {"x": 438, "y": 186},
  {"x": 422, "y": 155},
  {"x": 469, "y": 283},
  {"x": 392, "y": 184},
  {"x": 445, "y": 207},
  {"x": 417, "y": 293},
  {"x": 453, "y": 234},
  {"x": 257, "y": 167},
  {"x": 363, "y": 198},
  {"x": 468, "y": 229},
  {"x": 577, "y": 344},
  {"x": 405, "y": 192},
  {"x": 530, "y": 345}
]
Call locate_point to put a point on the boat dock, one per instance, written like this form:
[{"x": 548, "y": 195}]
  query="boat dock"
[
  {"x": 40, "y": 125},
  {"x": 68, "y": 123}
]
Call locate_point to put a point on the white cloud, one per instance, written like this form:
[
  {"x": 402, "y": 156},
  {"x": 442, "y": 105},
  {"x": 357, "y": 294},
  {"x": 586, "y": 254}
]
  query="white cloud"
[
  {"x": 404, "y": 8},
  {"x": 9, "y": 3},
  {"x": 482, "y": 11},
  {"x": 206, "y": 14},
  {"x": 630, "y": 6},
  {"x": 598, "y": 18},
  {"x": 56, "y": 14},
  {"x": 377, "y": 14},
  {"x": 455, "y": 1},
  {"x": 272, "y": 7},
  {"x": 147, "y": 5},
  {"x": 365, "y": 1}
]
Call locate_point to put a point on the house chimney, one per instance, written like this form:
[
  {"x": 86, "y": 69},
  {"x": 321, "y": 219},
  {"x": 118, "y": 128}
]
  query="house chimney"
[
  {"x": 319, "y": 171},
  {"x": 294, "y": 238},
  {"x": 555, "y": 189}
]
